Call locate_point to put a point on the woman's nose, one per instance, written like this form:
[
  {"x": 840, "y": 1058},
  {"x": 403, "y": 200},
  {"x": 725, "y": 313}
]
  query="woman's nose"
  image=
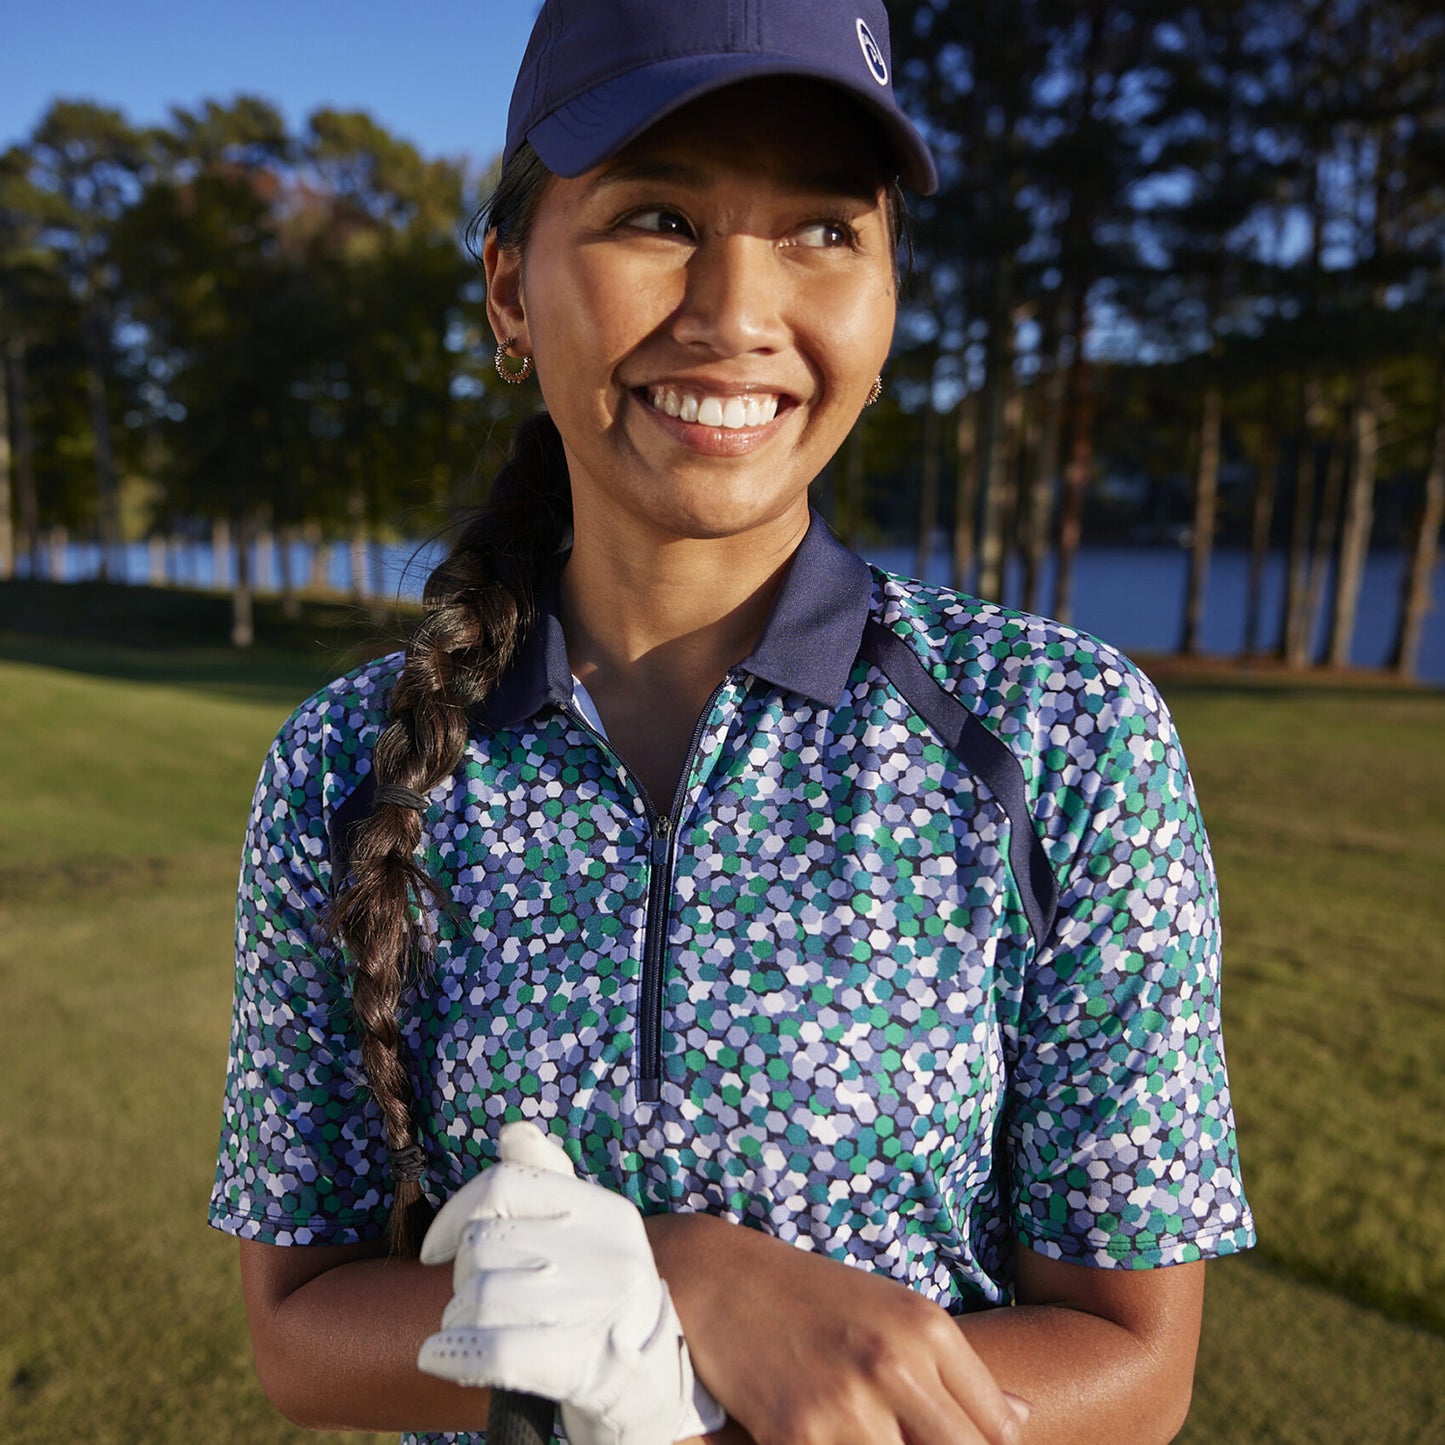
[{"x": 734, "y": 299}]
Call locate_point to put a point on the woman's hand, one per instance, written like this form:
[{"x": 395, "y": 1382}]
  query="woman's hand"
[
  {"x": 802, "y": 1350},
  {"x": 556, "y": 1294}
]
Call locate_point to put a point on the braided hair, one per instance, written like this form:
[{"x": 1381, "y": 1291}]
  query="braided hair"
[{"x": 479, "y": 604}]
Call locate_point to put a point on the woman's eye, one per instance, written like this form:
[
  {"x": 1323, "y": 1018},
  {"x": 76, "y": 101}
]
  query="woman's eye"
[
  {"x": 659, "y": 222},
  {"x": 824, "y": 233}
]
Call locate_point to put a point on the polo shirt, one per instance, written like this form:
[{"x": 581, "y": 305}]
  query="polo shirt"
[{"x": 921, "y": 961}]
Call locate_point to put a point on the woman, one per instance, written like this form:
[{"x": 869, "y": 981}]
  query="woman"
[{"x": 780, "y": 892}]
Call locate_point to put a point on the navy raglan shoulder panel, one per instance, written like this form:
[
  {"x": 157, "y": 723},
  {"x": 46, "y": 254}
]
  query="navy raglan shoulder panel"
[{"x": 984, "y": 754}]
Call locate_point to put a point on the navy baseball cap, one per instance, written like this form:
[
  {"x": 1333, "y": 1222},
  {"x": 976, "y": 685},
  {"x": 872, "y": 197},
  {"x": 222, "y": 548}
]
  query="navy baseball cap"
[{"x": 597, "y": 73}]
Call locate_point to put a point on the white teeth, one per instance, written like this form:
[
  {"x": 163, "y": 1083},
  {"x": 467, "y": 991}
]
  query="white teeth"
[{"x": 734, "y": 413}]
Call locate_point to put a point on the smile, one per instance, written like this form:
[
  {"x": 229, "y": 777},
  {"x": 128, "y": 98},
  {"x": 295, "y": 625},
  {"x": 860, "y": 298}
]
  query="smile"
[{"x": 731, "y": 413}]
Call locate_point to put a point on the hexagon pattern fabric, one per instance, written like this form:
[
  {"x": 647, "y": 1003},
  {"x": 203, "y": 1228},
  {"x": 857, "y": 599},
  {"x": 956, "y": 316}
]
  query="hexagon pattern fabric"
[{"x": 861, "y": 1046}]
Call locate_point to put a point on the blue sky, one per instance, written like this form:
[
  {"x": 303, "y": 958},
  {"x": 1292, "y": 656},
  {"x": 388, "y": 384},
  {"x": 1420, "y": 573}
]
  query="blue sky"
[{"x": 437, "y": 72}]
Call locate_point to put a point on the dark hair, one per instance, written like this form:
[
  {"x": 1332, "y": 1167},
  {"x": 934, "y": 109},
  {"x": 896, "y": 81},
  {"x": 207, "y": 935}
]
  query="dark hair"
[{"x": 480, "y": 603}]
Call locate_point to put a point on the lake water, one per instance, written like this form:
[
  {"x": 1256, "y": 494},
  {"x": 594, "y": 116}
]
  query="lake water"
[{"x": 1131, "y": 596}]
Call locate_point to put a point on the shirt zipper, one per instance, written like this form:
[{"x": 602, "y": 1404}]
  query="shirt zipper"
[
  {"x": 661, "y": 854},
  {"x": 654, "y": 949},
  {"x": 659, "y": 918}
]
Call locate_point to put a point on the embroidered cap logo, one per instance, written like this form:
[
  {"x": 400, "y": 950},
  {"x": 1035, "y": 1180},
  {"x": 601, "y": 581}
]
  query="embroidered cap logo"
[{"x": 873, "y": 54}]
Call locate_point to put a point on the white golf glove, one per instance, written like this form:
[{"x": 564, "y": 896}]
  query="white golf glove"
[{"x": 556, "y": 1294}]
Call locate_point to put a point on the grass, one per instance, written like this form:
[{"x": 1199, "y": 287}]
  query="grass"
[{"x": 128, "y": 772}]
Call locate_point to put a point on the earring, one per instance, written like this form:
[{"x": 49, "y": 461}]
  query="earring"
[
  {"x": 874, "y": 391},
  {"x": 512, "y": 378}
]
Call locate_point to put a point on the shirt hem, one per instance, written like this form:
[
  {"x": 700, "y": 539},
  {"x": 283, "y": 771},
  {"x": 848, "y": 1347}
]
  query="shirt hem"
[
  {"x": 1132, "y": 1252},
  {"x": 268, "y": 1229}
]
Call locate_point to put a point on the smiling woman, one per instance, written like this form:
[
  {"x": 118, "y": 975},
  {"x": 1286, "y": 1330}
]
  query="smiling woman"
[
  {"x": 770, "y": 966},
  {"x": 727, "y": 260}
]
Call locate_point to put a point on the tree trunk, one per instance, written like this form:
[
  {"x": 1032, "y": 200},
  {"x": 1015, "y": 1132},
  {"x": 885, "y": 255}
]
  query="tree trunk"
[
  {"x": 243, "y": 612},
  {"x": 27, "y": 504},
  {"x": 1261, "y": 520},
  {"x": 56, "y": 568},
  {"x": 1296, "y": 633},
  {"x": 221, "y": 554},
  {"x": 356, "y": 518},
  {"x": 1358, "y": 517},
  {"x": 263, "y": 580},
  {"x": 1206, "y": 508},
  {"x": 994, "y": 474},
  {"x": 156, "y": 559},
  {"x": 928, "y": 495},
  {"x": 1010, "y": 499},
  {"x": 1076, "y": 481},
  {"x": 965, "y": 494},
  {"x": 107, "y": 484},
  {"x": 1336, "y": 461},
  {"x": 320, "y": 555},
  {"x": 7, "y": 490},
  {"x": 1415, "y": 600},
  {"x": 381, "y": 589},
  {"x": 287, "y": 541},
  {"x": 1034, "y": 549}
]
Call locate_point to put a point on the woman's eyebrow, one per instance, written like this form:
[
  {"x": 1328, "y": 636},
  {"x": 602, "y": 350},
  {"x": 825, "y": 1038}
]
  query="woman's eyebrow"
[{"x": 846, "y": 183}]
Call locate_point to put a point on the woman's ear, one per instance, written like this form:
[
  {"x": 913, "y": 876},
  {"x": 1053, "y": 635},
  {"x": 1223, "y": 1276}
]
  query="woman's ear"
[{"x": 505, "y": 307}]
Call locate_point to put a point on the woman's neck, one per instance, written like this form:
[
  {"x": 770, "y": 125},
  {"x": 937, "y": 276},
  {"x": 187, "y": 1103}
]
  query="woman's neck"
[
  {"x": 653, "y": 628},
  {"x": 681, "y": 610}
]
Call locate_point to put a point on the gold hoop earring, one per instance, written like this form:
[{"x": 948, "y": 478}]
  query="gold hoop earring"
[
  {"x": 512, "y": 378},
  {"x": 874, "y": 391}
]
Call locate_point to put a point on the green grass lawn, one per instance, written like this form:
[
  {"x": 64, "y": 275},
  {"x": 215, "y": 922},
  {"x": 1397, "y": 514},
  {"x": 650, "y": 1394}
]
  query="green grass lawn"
[{"x": 126, "y": 777}]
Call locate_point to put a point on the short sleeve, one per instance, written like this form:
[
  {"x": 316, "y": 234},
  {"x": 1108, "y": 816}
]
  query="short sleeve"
[
  {"x": 1121, "y": 1129},
  {"x": 301, "y": 1154}
]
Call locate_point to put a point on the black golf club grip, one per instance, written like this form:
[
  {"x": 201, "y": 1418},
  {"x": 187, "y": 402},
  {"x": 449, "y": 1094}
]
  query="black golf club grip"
[{"x": 517, "y": 1419}]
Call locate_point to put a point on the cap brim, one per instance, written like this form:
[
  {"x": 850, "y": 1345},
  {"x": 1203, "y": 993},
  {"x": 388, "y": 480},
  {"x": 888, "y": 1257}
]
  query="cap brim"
[{"x": 587, "y": 130}]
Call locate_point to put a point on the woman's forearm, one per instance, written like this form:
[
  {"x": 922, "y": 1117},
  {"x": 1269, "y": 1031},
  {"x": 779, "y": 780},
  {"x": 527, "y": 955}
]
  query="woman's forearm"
[
  {"x": 778, "y": 1334},
  {"x": 1098, "y": 1354},
  {"x": 1086, "y": 1378},
  {"x": 338, "y": 1351}
]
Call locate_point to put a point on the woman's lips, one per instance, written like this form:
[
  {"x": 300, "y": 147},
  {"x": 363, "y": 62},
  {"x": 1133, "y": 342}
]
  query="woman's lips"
[{"x": 715, "y": 424}]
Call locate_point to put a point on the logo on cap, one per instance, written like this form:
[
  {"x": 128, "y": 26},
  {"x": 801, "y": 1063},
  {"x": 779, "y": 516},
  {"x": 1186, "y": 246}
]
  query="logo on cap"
[{"x": 873, "y": 54}]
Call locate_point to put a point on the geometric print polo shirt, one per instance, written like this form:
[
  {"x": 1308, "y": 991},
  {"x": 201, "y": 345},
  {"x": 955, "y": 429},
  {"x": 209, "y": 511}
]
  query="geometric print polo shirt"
[{"x": 921, "y": 961}]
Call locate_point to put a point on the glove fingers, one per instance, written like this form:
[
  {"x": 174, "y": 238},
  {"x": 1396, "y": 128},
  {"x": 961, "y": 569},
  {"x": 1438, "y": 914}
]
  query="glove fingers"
[
  {"x": 524, "y": 1143},
  {"x": 512, "y": 1358},
  {"x": 444, "y": 1234},
  {"x": 507, "y": 1298},
  {"x": 505, "y": 1191},
  {"x": 520, "y": 1143}
]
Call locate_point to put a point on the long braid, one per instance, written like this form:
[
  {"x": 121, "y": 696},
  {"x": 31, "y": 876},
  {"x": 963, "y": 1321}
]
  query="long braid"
[{"x": 480, "y": 603}]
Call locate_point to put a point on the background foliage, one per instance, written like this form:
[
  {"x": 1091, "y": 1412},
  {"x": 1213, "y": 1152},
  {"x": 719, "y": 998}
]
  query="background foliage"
[{"x": 1183, "y": 282}]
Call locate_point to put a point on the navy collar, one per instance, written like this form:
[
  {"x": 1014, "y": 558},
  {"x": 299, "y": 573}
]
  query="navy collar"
[{"x": 808, "y": 644}]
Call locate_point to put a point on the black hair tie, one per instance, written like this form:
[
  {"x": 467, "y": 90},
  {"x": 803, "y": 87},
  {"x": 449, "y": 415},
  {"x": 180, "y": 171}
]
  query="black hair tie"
[
  {"x": 407, "y": 1165},
  {"x": 402, "y": 797}
]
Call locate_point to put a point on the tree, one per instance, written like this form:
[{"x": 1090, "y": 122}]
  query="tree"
[
  {"x": 84, "y": 167},
  {"x": 1423, "y": 549}
]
